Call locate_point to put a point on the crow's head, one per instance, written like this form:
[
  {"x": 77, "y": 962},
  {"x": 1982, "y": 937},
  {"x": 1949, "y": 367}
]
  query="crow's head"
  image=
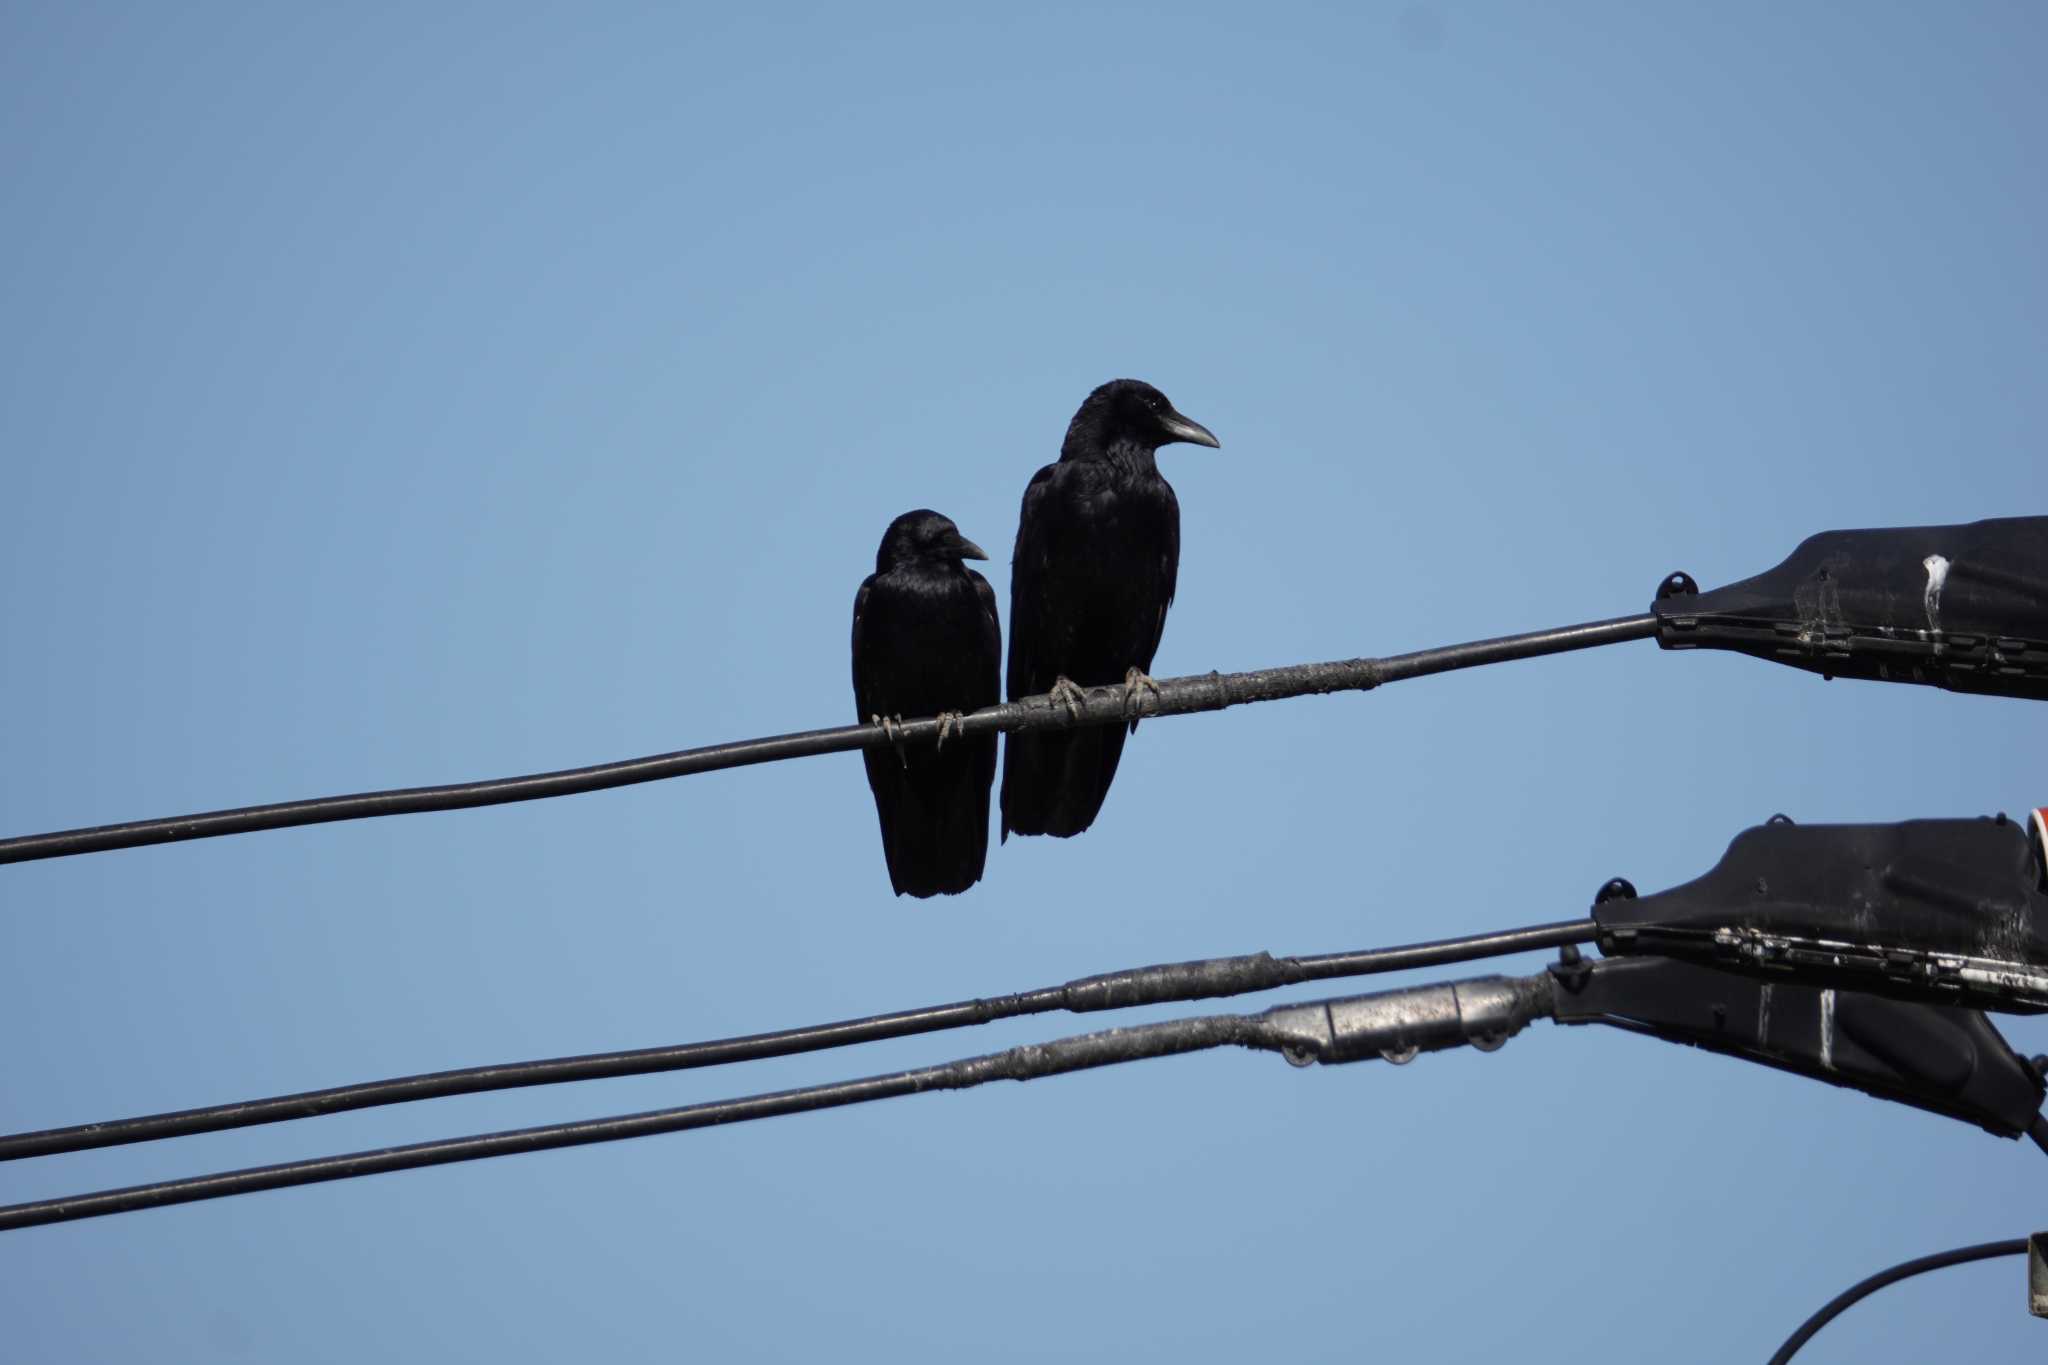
[
  {"x": 924, "y": 535},
  {"x": 1130, "y": 413}
]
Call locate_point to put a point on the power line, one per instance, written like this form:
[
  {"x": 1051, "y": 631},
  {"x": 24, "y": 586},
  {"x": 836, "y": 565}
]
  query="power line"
[
  {"x": 1865, "y": 1288},
  {"x": 1103, "y": 706},
  {"x": 1074, "y": 1054},
  {"x": 1173, "y": 982},
  {"x": 1397, "y": 1023}
]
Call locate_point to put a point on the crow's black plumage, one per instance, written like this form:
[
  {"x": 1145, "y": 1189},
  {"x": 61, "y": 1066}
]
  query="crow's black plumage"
[
  {"x": 926, "y": 642},
  {"x": 1098, "y": 549}
]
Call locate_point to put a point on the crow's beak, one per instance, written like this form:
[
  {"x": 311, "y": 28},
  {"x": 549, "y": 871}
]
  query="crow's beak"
[
  {"x": 967, "y": 549},
  {"x": 1179, "y": 428}
]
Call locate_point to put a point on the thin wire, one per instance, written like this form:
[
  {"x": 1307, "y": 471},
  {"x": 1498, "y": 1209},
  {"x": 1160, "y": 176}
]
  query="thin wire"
[
  {"x": 1865, "y": 1288},
  {"x": 1208, "y": 978},
  {"x": 1080, "y": 1053},
  {"x": 1103, "y": 705}
]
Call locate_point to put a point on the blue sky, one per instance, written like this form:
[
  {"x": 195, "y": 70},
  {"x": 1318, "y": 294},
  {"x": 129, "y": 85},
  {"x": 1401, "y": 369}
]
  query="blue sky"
[{"x": 402, "y": 394}]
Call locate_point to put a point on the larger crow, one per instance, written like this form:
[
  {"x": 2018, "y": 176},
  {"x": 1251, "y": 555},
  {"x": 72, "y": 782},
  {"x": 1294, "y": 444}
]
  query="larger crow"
[
  {"x": 1098, "y": 549},
  {"x": 926, "y": 642}
]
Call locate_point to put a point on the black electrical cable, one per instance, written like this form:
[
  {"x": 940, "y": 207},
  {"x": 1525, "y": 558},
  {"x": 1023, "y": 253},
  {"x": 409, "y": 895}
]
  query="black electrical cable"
[
  {"x": 1482, "y": 1012},
  {"x": 1209, "y": 978},
  {"x": 1019, "y": 1064},
  {"x": 1103, "y": 705},
  {"x": 1865, "y": 1288}
]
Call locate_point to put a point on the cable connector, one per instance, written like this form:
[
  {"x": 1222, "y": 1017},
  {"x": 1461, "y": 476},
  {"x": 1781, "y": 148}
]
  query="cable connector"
[{"x": 1398, "y": 1025}]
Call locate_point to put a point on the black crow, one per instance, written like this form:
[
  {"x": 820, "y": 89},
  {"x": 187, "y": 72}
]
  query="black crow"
[
  {"x": 1098, "y": 549},
  {"x": 926, "y": 642}
]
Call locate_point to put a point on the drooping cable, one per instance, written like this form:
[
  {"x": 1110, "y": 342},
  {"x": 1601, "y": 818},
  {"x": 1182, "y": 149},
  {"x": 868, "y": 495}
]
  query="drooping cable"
[{"x": 1863, "y": 1289}]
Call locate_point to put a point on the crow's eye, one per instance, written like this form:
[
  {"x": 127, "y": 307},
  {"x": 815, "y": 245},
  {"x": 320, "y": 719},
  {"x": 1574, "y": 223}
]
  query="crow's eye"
[{"x": 1155, "y": 402}]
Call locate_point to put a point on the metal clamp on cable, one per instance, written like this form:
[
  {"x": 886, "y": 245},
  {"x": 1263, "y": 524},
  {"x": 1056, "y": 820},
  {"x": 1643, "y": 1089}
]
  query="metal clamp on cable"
[{"x": 1397, "y": 1025}]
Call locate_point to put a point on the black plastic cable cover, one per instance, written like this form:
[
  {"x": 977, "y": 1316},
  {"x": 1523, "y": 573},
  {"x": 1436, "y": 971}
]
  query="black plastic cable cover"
[
  {"x": 1961, "y": 607},
  {"x": 1949, "y": 912},
  {"x": 1946, "y": 1060}
]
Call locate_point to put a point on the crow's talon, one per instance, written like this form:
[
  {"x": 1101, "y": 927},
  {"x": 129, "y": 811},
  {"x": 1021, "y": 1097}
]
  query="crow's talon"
[
  {"x": 1065, "y": 693},
  {"x": 891, "y": 726},
  {"x": 1136, "y": 681},
  {"x": 949, "y": 724}
]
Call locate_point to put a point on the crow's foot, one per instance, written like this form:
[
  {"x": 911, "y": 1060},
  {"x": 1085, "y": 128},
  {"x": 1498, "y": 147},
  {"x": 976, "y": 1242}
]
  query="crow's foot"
[
  {"x": 949, "y": 724},
  {"x": 891, "y": 725},
  {"x": 1065, "y": 693},
  {"x": 1136, "y": 681}
]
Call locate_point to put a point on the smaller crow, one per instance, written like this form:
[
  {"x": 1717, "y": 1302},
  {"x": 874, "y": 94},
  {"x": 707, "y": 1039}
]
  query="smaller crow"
[{"x": 926, "y": 642}]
